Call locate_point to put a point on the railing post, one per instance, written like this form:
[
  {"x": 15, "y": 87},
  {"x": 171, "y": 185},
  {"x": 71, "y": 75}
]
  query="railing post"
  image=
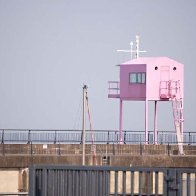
[
  {"x": 189, "y": 138},
  {"x": 29, "y": 137},
  {"x": 2, "y": 137},
  {"x": 116, "y": 137},
  {"x": 55, "y": 137},
  {"x": 162, "y": 138},
  {"x": 108, "y": 137},
  {"x": 81, "y": 138},
  {"x": 125, "y": 133}
]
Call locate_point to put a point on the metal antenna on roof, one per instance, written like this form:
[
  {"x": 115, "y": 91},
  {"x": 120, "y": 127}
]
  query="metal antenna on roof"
[
  {"x": 131, "y": 44},
  {"x": 137, "y": 51},
  {"x": 137, "y": 46}
]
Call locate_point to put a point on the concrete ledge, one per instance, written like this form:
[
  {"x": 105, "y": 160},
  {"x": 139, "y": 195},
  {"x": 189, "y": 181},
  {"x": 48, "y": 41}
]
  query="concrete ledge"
[
  {"x": 24, "y": 155},
  {"x": 114, "y": 160},
  {"x": 111, "y": 149}
]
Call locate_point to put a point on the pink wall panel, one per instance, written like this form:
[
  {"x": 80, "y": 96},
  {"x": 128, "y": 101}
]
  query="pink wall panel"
[{"x": 128, "y": 90}]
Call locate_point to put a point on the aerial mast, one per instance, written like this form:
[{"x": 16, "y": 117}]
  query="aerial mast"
[
  {"x": 137, "y": 46},
  {"x": 136, "y": 51}
]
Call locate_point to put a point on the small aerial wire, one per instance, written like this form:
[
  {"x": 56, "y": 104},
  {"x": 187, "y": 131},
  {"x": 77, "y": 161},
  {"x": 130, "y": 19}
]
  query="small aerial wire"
[
  {"x": 92, "y": 135},
  {"x": 78, "y": 116}
]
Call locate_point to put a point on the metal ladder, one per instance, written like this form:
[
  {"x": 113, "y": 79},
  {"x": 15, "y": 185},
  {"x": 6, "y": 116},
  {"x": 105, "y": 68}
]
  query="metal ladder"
[{"x": 177, "y": 105}]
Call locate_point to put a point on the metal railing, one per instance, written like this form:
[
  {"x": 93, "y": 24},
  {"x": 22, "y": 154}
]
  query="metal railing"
[
  {"x": 113, "y": 88},
  {"x": 11, "y": 136},
  {"x": 95, "y": 181}
]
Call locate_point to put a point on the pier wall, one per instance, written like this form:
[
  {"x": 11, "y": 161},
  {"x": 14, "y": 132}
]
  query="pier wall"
[
  {"x": 15, "y": 159},
  {"x": 24, "y": 155}
]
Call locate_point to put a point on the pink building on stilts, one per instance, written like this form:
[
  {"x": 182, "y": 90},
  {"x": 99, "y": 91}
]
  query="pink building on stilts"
[{"x": 152, "y": 79}]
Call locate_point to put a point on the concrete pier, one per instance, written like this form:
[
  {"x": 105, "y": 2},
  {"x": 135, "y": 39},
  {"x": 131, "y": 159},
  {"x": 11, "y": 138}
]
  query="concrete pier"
[{"x": 15, "y": 159}]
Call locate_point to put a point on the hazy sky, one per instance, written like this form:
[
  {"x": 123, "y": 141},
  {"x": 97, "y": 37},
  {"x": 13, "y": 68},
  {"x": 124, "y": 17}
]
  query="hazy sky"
[{"x": 50, "y": 48}]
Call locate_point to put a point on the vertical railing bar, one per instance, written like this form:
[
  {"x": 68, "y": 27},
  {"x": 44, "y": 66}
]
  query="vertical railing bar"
[
  {"x": 99, "y": 183},
  {"x": 105, "y": 183},
  {"x": 55, "y": 136},
  {"x": 66, "y": 181},
  {"x": 116, "y": 183},
  {"x": 56, "y": 182},
  {"x": 88, "y": 183},
  {"x": 195, "y": 183},
  {"x": 77, "y": 178},
  {"x": 189, "y": 138},
  {"x": 188, "y": 184},
  {"x": 29, "y": 137},
  {"x": 179, "y": 179},
  {"x": 44, "y": 182},
  {"x": 108, "y": 138},
  {"x": 92, "y": 181},
  {"x": 125, "y": 133},
  {"x": 156, "y": 183},
  {"x": 71, "y": 182},
  {"x": 96, "y": 180},
  {"x": 165, "y": 191},
  {"x": 148, "y": 183},
  {"x": 2, "y": 137},
  {"x": 32, "y": 181},
  {"x": 132, "y": 183},
  {"x": 140, "y": 183},
  {"x": 85, "y": 182},
  {"x": 74, "y": 187},
  {"x": 124, "y": 183},
  {"x": 61, "y": 182},
  {"x": 80, "y": 182},
  {"x": 108, "y": 182}
]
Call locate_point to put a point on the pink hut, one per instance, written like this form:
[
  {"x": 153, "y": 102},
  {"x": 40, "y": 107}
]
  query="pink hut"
[{"x": 151, "y": 79}]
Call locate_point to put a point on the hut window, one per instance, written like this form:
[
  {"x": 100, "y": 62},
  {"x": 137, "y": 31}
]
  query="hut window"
[
  {"x": 137, "y": 78},
  {"x": 133, "y": 78},
  {"x": 143, "y": 78}
]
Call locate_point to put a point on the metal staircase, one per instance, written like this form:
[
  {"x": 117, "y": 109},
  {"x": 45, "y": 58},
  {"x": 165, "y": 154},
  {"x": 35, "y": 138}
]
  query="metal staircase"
[
  {"x": 170, "y": 90},
  {"x": 177, "y": 104}
]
